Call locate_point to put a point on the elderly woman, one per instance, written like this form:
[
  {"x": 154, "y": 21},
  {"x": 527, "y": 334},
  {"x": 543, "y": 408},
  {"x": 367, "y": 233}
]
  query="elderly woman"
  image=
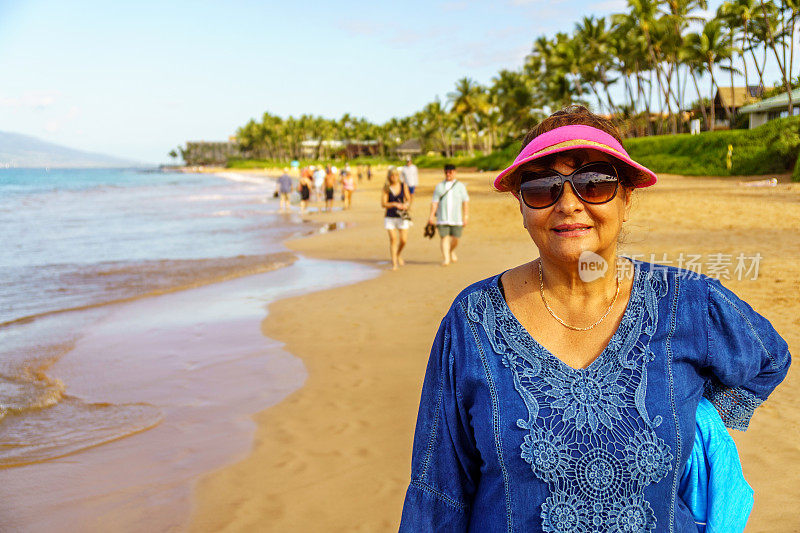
[{"x": 561, "y": 395}]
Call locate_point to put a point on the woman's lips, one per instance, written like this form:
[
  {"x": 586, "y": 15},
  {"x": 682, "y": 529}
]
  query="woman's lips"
[{"x": 571, "y": 230}]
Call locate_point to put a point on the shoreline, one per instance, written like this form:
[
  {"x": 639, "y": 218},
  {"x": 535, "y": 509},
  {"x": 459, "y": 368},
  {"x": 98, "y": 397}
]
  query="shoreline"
[
  {"x": 145, "y": 477},
  {"x": 337, "y": 451}
]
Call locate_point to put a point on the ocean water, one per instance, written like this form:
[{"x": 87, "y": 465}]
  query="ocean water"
[{"x": 76, "y": 240}]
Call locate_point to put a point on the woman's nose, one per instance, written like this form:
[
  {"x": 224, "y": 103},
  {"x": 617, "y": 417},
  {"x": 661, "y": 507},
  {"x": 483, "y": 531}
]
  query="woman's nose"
[{"x": 568, "y": 201}]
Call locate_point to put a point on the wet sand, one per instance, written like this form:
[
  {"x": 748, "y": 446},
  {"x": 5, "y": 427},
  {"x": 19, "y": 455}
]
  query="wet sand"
[
  {"x": 335, "y": 455},
  {"x": 199, "y": 358}
]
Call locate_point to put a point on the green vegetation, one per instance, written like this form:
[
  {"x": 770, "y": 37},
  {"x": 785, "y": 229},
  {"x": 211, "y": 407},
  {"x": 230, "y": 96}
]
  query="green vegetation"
[
  {"x": 278, "y": 163},
  {"x": 771, "y": 148},
  {"x": 494, "y": 161},
  {"x": 796, "y": 171}
]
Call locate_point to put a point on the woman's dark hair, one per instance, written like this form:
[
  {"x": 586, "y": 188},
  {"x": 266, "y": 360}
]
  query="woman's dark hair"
[{"x": 568, "y": 116}]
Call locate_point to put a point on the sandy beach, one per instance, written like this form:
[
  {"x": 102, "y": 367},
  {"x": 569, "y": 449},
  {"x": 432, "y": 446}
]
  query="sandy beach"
[{"x": 335, "y": 455}]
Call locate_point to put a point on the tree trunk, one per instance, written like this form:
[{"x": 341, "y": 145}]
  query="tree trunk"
[
  {"x": 755, "y": 61},
  {"x": 791, "y": 47},
  {"x": 730, "y": 112},
  {"x": 469, "y": 137},
  {"x": 713, "y": 84},
  {"x": 700, "y": 97},
  {"x": 673, "y": 118},
  {"x": 647, "y": 105}
]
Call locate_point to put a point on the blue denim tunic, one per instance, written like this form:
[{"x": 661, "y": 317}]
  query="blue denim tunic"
[{"x": 510, "y": 438}]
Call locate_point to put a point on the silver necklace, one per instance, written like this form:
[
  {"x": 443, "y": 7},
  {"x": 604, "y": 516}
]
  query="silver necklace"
[{"x": 541, "y": 291}]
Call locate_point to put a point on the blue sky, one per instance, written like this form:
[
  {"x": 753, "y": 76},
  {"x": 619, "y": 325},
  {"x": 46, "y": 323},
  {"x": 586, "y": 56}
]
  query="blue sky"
[{"x": 135, "y": 79}]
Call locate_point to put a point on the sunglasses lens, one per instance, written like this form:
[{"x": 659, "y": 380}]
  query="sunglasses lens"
[
  {"x": 539, "y": 190},
  {"x": 596, "y": 183}
]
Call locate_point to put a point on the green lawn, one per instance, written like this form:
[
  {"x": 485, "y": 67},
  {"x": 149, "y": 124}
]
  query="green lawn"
[{"x": 769, "y": 149}]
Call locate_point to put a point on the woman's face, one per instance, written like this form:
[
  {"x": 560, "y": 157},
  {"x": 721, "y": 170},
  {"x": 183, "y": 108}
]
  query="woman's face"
[
  {"x": 602, "y": 222},
  {"x": 394, "y": 178}
]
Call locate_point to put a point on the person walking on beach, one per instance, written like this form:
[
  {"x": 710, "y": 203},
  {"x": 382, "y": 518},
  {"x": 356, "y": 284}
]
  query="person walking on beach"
[
  {"x": 449, "y": 212},
  {"x": 319, "y": 180},
  {"x": 330, "y": 185},
  {"x": 304, "y": 188},
  {"x": 565, "y": 394},
  {"x": 410, "y": 176},
  {"x": 396, "y": 199},
  {"x": 284, "y": 189},
  {"x": 348, "y": 186}
]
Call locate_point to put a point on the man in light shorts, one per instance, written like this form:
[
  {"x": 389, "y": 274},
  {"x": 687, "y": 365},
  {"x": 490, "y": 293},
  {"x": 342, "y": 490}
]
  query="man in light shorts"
[
  {"x": 450, "y": 212},
  {"x": 410, "y": 175},
  {"x": 319, "y": 180}
]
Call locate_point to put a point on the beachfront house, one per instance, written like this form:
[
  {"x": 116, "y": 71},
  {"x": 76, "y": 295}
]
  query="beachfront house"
[
  {"x": 733, "y": 99},
  {"x": 410, "y": 148},
  {"x": 355, "y": 149},
  {"x": 769, "y": 108}
]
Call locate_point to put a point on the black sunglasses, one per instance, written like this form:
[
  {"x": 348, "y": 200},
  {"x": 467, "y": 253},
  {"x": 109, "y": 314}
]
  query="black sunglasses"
[{"x": 594, "y": 183}]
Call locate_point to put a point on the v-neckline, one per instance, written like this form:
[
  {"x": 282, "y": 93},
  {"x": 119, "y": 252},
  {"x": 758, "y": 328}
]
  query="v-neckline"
[{"x": 615, "y": 338}]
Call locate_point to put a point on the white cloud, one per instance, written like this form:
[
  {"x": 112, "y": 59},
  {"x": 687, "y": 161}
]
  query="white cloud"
[{"x": 52, "y": 126}]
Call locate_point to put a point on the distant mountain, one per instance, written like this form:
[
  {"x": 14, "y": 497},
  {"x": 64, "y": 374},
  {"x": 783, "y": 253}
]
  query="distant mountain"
[{"x": 18, "y": 150}]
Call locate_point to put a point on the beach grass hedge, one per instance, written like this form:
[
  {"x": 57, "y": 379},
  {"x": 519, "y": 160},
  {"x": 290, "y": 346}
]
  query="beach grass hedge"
[
  {"x": 768, "y": 149},
  {"x": 494, "y": 161}
]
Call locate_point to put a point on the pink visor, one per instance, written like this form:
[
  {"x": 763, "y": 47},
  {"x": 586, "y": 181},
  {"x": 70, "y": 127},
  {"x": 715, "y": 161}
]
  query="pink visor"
[{"x": 572, "y": 138}]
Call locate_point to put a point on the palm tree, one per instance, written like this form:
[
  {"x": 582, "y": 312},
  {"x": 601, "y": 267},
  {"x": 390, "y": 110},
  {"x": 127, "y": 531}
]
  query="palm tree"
[
  {"x": 512, "y": 93},
  {"x": 438, "y": 118},
  {"x": 679, "y": 15},
  {"x": 738, "y": 14},
  {"x": 633, "y": 56},
  {"x": 775, "y": 34},
  {"x": 467, "y": 102},
  {"x": 695, "y": 61},
  {"x": 712, "y": 47},
  {"x": 644, "y": 12},
  {"x": 592, "y": 35},
  {"x": 727, "y": 15}
]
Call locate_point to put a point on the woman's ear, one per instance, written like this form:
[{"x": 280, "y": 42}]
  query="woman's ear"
[
  {"x": 628, "y": 201},
  {"x": 522, "y": 212}
]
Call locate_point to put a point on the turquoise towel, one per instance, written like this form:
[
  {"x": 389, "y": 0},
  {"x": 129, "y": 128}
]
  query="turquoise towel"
[{"x": 713, "y": 485}]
